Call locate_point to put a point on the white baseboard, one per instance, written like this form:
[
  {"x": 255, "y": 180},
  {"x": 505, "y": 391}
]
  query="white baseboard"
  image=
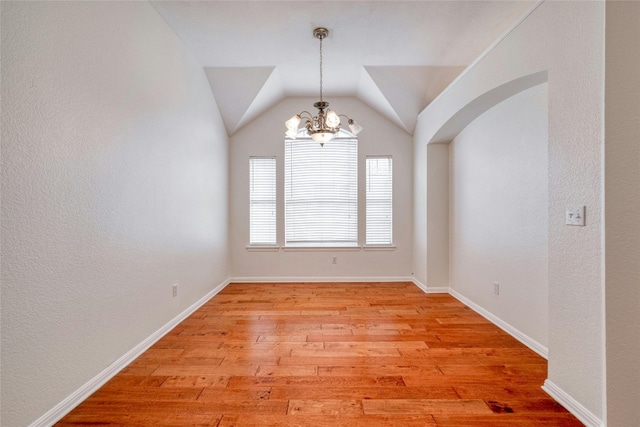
[
  {"x": 430, "y": 289},
  {"x": 78, "y": 396},
  {"x": 514, "y": 332},
  {"x": 571, "y": 405},
  {"x": 307, "y": 279}
]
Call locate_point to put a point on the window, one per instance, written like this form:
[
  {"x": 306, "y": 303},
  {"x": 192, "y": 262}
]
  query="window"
[
  {"x": 379, "y": 200},
  {"x": 321, "y": 192},
  {"x": 262, "y": 200}
]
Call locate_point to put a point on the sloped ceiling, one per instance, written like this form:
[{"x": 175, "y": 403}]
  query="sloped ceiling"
[{"x": 395, "y": 56}]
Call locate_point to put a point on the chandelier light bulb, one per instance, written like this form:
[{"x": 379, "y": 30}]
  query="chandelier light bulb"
[
  {"x": 292, "y": 133},
  {"x": 354, "y": 127},
  {"x": 293, "y": 123},
  {"x": 322, "y": 137},
  {"x": 332, "y": 120}
]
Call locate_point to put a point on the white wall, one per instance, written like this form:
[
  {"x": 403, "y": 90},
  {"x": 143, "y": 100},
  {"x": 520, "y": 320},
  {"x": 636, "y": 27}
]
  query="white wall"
[
  {"x": 566, "y": 39},
  {"x": 622, "y": 203},
  {"x": 437, "y": 271},
  {"x": 265, "y": 137},
  {"x": 114, "y": 187},
  {"x": 498, "y": 212},
  {"x": 419, "y": 245}
]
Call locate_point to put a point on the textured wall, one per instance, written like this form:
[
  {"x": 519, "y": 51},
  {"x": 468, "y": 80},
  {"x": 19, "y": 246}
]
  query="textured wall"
[
  {"x": 419, "y": 243},
  {"x": 437, "y": 216},
  {"x": 622, "y": 204},
  {"x": 114, "y": 187},
  {"x": 498, "y": 212},
  {"x": 566, "y": 39},
  {"x": 265, "y": 137}
]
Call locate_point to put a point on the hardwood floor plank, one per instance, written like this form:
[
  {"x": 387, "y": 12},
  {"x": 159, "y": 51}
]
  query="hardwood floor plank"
[
  {"x": 146, "y": 393},
  {"x": 275, "y": 370},
  {"x": 351, "y": 361},
  {"x": 156, "y": 419},
  {"x": 282, "y": 336},
  {"x": 196, "y": 381},
  {"x": 506, "y": 420},
  {"x": 378, "y": 336},
  {"x": 325, "y": 407},
  {"x": 178, "y": 370},
  {"x": 248, "y": 406},
  {"x": 316, "y": 381},
  {"x": 510, "y": 371},
  {"x": 238, "y": 394},
  {"x": 329, "y": 354},
  {"x": 425, "y": 406},
  {"x": 373, "y": 343},
  {"x": 345, "y": 371},
  {"x": 324, "y": 420},
  {"x": 362, "y": 393},
  {"x": 498, "y": 390},
  {"x": 345, "y": 352}
]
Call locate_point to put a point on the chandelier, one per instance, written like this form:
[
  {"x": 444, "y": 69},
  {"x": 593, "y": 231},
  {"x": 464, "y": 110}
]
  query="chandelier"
[{"x": 323, "y": 126}]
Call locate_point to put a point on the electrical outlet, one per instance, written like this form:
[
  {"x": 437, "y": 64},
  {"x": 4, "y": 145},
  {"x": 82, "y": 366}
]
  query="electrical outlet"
[
  {"x": 496, "y": 288},
  {"x": 335, "y": 260},
  {"x": 574, "y": 215},
  {"x": 175, "y": 289}
]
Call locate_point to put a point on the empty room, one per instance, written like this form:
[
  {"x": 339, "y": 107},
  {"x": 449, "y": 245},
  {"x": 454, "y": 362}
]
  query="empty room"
[{"x": 320, "y": 213}]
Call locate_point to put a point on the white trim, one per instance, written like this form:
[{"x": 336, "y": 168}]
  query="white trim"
[
  {"x": 514, "y": 332},
  {"x": 78, "y": 396},
  {"x": 430, "y": 290},
  {"x": 307, "y": 279},
  {"x": 419, "y": 284},
  {"x": 572, "y": 405},
  {"x": 379, "y": 247},
  {"x": 320, "y": 248},
  {"x": 276, "y": 248},
  {"x": 263, "y": 248},
  {"x": 437, "y": 290}
]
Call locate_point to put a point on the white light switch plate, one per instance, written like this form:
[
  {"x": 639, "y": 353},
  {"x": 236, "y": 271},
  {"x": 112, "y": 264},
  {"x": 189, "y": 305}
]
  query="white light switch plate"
[{"x": 575, "y": 215}]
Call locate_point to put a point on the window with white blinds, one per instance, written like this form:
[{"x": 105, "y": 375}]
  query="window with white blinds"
[
  {"x": 321, "y": 192},
  {"x": 379, "y": 197},
  {"x": 262, "y": 200}
]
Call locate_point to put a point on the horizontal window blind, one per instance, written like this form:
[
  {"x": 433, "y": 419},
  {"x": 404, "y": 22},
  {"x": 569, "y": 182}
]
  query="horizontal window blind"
[
  {"x": 321, "y": 192},
  {"x": 262, "y": 200},
  {"x": 379, "y": 200}
]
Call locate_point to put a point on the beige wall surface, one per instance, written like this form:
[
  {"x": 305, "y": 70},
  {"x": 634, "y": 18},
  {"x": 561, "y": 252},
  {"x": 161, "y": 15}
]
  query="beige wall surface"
[
  {"x": 114, "y": 187},
  {"x": 498, "y": 212},
  {"x": 622, "y": 204},
  {"x": 265, "y": 137}
]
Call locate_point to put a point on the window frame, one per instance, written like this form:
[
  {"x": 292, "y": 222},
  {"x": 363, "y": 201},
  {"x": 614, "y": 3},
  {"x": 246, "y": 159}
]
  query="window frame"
[
  {"x": 289, "y": 242},
  {"x": 368, "y": 218},
  {"x": 271, "y": 200}
]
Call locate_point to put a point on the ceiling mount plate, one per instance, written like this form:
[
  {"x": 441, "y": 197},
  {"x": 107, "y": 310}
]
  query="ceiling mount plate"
[{"x": 320, "y": 33}]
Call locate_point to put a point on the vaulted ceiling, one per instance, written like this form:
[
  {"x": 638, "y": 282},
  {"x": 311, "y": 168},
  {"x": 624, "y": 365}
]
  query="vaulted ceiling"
[{"x": 395, "y": 56}]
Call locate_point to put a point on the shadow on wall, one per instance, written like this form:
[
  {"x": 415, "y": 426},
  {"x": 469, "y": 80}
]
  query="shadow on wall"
[{"x": 484, "y": 102}]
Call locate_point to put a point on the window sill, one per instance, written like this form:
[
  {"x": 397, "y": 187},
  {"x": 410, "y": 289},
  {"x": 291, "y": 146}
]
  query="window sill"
[
  {"x": 379, "y": 247},
  {"x": 257, "y": 248},
  {"x": 263, "y": 248},
  {"x": 321, "y": 248}
]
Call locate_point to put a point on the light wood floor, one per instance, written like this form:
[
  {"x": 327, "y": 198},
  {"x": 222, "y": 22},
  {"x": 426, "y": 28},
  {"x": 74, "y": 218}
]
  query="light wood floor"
[{"x": 329, "y": 354}]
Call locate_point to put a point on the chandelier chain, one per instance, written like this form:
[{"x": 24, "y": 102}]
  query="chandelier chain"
[{"x": 321, "y": 68}]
